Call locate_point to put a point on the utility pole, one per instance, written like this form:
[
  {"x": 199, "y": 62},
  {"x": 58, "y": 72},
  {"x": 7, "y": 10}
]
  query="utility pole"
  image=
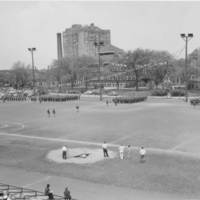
[
  {"x": 186, "y": 38},
  {"x": 33, "y": 67}
]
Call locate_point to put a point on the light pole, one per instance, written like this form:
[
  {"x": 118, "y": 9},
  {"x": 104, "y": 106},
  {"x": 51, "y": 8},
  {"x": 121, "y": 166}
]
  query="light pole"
[
  {"x": 98, "y": 45},
  {"x": 186, "y": 38},
  {"x": 33, "y": 67}
]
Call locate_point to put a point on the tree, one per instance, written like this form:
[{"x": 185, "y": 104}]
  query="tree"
[
  {"x": 21, "y": 75},
  {"x": 135, "y": 59},
  {"x": 72, "y": 69},
  {"x": 160, "y": 65}
]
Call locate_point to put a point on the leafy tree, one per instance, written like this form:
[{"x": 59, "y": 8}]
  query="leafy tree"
[
  {"x": 134, "y": 60},
  {"x": 21, "y": 75}
]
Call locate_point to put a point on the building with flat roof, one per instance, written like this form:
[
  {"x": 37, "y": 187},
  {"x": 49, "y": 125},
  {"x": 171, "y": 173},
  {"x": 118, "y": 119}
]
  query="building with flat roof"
[{"x": 80, "y": 40}]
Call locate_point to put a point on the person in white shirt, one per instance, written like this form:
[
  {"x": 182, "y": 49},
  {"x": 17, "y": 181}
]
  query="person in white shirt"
[
  {"x": 121, "y": 151},
  {"x": 64, "y": 152},
  {"x": 142, "y": 154},
  {"x": 105, "y": 149}
]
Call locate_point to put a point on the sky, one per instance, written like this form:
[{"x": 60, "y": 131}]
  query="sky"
[{"x": 148, "y": 25}]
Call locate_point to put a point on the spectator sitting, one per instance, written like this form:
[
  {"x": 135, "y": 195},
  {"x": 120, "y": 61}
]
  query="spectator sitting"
[
  {"x": 67, "y": 194},
  {"x": 5, "y": 195},
  {"x": 51, "y": 197},
  {"x": 47, "y": 190}
]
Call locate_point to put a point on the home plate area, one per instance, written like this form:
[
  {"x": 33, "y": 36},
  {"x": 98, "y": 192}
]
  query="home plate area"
[{"x": 79, "y": 155}]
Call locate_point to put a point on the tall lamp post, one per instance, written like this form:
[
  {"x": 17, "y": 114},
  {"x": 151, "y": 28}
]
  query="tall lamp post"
[
  {"x": 186, "y": 38},
  {"x": 98, "y": 46},
  {"x": 33, "y": 67}
]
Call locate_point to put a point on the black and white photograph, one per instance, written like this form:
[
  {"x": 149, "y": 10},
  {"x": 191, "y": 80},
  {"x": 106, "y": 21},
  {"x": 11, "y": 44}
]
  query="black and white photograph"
[{"x": 99, "y": 100}]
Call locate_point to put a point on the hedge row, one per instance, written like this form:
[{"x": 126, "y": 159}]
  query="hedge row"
[
  {"x": 173, "y": 93},
  {"x": 56, "y": 98},
  {"x": 177, "y": 93},
  {"x": 159, "y": 93},
  {"x": 129, "y": 99},
  {"x": 195, "y": 101}
]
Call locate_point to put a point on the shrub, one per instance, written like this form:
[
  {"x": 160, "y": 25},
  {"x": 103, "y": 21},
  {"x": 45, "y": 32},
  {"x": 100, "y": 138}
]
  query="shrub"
[
  {"x": 159, "y": 92},
  {"x": 177, "y": 93},
  {"x": 129, "y": 99}
]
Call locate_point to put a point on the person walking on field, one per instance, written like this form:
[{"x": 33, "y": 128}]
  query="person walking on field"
[
  {"x": 121, "y": 151},
  {"x": 64, "y": 152},
  {"x": 48, "y": 113},
  {"x": 67, "y": 194},
  {"x": 142, "y": 154},
  {"x": 105, "y": 149},
  {"x": 77, "y": 108},
  {"x": 54, "y": 112}
]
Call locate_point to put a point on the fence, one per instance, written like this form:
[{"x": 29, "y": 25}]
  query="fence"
[{"x": 20, "y": 193}]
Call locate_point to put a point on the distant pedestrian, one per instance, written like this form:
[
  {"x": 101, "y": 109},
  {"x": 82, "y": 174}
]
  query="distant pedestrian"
[
  {"x": 67, "y": 194},
  {"x": 107, "y": 102},
  {"x": 54, "y": 112},
  {"x": 77, "y": 108},
  {"x": 128, "y": 151},
  {"x": 121, "y": 151},
  {"x": 105, "y": 149},
  {"x": 64, "y": 152},
  {"x": 142, "y": 154},
  {"x": 48, "y": 113}
]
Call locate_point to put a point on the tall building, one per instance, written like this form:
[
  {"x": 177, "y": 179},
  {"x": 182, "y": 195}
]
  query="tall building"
[
  {"x": 79, "y": 40},
  {"x": 59, "y": 46}
]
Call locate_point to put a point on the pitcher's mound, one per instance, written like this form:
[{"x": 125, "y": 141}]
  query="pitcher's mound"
[{"x": 79, "y": 155}]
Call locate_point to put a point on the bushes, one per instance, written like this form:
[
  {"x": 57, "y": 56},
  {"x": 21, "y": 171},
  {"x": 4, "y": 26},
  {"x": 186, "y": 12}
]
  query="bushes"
[
  {"x": 57, "y": 98},
  {"x": 177, "y": 93},
  {"x": 159, "y": 92},
  {"x": 129, "y": 99}
]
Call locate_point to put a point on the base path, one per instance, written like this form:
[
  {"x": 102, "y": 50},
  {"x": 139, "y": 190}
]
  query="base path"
[{"x": 173, "y": 152}]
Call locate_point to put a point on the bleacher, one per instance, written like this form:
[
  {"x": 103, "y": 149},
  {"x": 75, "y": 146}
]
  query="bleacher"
[{"x": 21, "y": 193}]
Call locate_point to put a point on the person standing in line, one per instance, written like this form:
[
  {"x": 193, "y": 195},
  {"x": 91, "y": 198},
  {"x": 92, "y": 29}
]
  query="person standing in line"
[
  {"x": 142, "y": 154},
  {"x": 54, "y": 112},
  {"x": 67, "y": 194},
  {"x": 64, "y": 152},
  {"x": 105, "y": 149},
  {"x": 121, "y": 151}
]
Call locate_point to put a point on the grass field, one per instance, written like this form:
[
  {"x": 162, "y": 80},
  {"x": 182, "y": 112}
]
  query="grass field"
[{"x": 168, "y": 128}]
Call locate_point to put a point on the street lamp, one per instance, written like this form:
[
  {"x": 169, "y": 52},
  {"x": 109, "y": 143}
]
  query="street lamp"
[
  {"x": 98, "y": 46},
  {"x": 33, "y": 67},
  {"x": 186, "y": 38}
]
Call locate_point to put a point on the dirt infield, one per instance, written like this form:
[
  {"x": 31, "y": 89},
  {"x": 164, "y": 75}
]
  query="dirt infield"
[{"x": 79, "y": 156}]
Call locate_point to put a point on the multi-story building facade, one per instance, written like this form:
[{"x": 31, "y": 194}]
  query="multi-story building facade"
[{"x": 79, "y": 40}]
